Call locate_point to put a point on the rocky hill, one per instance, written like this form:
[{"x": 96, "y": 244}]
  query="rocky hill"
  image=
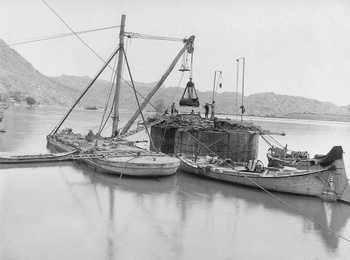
[{"x": 17, "y": 75}]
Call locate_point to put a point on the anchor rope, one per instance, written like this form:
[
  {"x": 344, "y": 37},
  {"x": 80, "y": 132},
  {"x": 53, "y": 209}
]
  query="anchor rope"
[{"x": 274, "y": 196}]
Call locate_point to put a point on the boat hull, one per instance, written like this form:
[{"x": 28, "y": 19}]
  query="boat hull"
[
  {"x": 138, "y": 165},
  {"x": 39, "y": 158},
  {"x": 310, "y": 183}
]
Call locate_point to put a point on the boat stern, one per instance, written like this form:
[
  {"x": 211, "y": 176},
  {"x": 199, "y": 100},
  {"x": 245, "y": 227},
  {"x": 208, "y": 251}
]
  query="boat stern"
[{"x": 341, "y": 181}]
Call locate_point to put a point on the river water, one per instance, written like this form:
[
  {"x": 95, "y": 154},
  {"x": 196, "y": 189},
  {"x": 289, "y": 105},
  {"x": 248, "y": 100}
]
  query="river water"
[{"x": 68, "y": 211}]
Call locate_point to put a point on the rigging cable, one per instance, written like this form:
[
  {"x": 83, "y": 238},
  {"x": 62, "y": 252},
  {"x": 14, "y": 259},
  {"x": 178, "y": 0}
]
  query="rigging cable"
[
  {"x": 129, "y": 35},
  {"x": 276, "y": 141},
  {"x": 267, "y": 136},
  {"x": 88, "y": 87},
  {"x": 106, "y": 63},
  {"x": 265, "y": 139},
  {"x": 271, "y": 194},
  {"x": 74, "y": 32},
  {"x": 152, "y": 37},
  {"x": 237, "y": 89},
  {"x": 138, "y": 102},
  {"x": 19, "y": 42},
  {"x": 112, "y": 80},
  {"x": 178, "y": 86},
  {"x": 126, "y": 50},
  {"x": 167, "y": 124}
]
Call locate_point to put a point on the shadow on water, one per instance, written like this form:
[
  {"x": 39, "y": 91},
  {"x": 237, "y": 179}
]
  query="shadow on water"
[
  {"x": 197, "y": 189},
  {"x": 332, "y": 215},
  {"x": 187, "y": 191},
  {"x": 142, "y": 188},
  {"x": 186, "y": 194}
]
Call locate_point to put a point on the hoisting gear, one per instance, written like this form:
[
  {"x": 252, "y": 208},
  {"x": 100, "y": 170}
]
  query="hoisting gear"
[
  {"x": 189, "y": 97},
  {"x": 184, "y": 64}
]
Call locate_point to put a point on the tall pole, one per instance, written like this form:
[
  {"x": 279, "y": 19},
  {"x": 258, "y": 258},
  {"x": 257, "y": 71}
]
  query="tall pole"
[
  {"x": 242, "y": 106},
  {"x": 237, "y": 88},
  {"x": 119, "y": 75},
  {"x": 214, "y": 87},
  {"x": 243, "y": 89}
]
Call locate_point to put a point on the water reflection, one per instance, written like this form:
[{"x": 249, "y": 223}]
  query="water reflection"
[
  {"x": 146, "y": 192},
  {"x": 187, "y": 192},
  {"x": 331, "y": 215},
  {"x": 175, "y": 217}
]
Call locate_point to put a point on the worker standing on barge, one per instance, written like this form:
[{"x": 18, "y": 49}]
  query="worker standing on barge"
[
  {"x": 212, "y": 111},
  {"x": 206, "y": 109},
  {"x": 173, "y": 109}
]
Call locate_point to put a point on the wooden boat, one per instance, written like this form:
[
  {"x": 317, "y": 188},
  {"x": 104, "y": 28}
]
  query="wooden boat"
[
  {"x": 280, "y": 157},
  {"x": 35, "y": 158},
  {"x": 329, "y": 182},
  {"x": 283, "y": 157},
  {"x": 91, "y": 108},
  {"x": 114, "y": 154}
]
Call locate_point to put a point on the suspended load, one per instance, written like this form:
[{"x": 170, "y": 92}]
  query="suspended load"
[
  {"x": 184, "y": 63},
  {"x": 189, "y": 97}
]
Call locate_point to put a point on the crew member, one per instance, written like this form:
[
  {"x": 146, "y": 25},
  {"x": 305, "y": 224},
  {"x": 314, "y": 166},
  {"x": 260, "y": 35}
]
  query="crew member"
[
  {"x": 206, "y": 109},
  {"x": 212, "y": 110},
  {"x": 173, "y": 109}
]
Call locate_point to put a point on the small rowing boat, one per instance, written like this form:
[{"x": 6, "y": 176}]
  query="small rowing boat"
[{"x": 34, "y": 158}]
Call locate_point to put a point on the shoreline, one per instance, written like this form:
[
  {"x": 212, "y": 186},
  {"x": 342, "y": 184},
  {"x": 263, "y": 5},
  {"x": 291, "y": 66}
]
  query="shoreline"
[
  {"x": 306, "y": 116},
  {"x": 298, "y": 116}
]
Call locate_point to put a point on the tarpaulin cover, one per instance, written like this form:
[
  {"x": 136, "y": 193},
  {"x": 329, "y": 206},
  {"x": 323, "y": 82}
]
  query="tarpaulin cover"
[{"x": 335, "y": 153}]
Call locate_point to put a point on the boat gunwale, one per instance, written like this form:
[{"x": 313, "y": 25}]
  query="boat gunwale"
[{"x": 232, "y": 172}]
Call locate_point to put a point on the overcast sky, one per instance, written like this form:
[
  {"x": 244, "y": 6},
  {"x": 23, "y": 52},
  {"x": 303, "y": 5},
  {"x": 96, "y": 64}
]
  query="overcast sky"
[{"x": 291, "y": 47}]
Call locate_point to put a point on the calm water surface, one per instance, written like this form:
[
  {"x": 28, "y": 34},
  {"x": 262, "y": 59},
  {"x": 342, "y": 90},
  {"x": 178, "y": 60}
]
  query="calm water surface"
[{"x": 67, "y": 211}]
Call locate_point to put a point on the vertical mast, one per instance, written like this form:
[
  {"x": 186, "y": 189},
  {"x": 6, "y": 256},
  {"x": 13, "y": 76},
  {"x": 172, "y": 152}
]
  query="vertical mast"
[
  {"x": 243, "y": 88},
  {"x": 119, "y": 75}
]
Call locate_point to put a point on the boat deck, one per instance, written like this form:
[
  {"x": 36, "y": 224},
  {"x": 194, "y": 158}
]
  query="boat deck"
[{"x": 243, "y": 170}]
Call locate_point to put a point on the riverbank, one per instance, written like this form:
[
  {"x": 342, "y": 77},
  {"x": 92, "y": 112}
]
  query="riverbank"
[
  {"x": 308, "y": 116},
  {"x": 305, "y": 116}
]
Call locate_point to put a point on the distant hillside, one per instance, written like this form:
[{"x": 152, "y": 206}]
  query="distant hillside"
[
  {"x": 272, "y": 104},
  {"x": 19, "y": 76},
  {"x": 98, "y": 93}
]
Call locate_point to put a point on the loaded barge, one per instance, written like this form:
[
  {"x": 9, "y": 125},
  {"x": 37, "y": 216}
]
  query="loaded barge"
[{"x": 191, "y": 134}]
